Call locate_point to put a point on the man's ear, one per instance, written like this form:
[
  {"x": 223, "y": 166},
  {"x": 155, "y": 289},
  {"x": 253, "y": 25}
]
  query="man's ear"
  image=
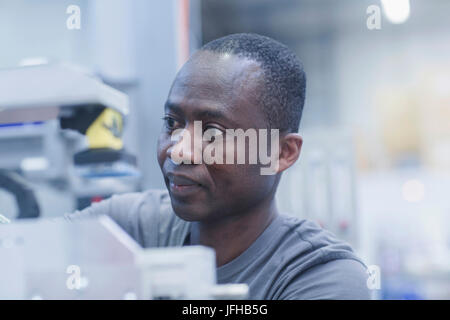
[{"x": 290, "y": 147}]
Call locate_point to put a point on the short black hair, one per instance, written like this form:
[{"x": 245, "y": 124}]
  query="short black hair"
[{"x": 283, "y": 97}]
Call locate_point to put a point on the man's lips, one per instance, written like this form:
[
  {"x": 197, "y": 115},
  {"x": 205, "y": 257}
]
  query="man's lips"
[
  {"x": 182, "y": 185},
  {"x": 181, "y": 180}
]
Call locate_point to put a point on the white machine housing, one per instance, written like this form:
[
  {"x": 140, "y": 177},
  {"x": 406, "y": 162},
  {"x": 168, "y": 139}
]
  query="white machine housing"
[{"x": 95, "y": 259}]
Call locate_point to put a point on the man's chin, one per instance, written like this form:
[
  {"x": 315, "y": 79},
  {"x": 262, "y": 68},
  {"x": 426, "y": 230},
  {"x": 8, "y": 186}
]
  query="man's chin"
[{"x": 188, "y": 212}]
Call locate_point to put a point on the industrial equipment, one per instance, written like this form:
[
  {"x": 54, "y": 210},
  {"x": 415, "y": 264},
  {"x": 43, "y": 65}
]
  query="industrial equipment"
[
  {"x": 37, "y": 102},
  {"x": 25, "y": 198},
  {"x": 95, "y": 259}
]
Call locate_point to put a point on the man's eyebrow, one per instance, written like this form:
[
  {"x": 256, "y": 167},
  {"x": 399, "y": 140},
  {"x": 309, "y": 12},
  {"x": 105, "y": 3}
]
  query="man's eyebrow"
[
  {"x": 199, "y": 114},
  {"x": 173, "y": 107},
  {"x": 210, "y": 114}
]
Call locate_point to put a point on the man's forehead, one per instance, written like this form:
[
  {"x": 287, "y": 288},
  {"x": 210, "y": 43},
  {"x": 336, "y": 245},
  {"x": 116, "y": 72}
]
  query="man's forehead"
[
  {"x": 219, "y": 60},
  {"x": 216, "y": 84},
  {"x": 206, "y": 71}
]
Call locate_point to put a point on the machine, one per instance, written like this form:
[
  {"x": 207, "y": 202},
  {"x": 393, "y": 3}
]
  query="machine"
[
  {"x": 95, "y": 259},
  {"x": 37, "y": 102}
]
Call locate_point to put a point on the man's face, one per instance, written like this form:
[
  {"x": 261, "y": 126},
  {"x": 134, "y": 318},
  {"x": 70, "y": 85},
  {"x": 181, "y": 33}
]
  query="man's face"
[{"x": 221, "y": 91}]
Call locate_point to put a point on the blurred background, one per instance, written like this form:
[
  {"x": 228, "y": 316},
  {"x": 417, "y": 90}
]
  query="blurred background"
[{"x": 375, "y": 167}]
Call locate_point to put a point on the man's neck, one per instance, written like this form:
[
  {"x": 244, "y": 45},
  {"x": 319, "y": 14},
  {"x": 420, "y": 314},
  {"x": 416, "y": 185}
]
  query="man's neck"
[{"x": 230, "y": 237}]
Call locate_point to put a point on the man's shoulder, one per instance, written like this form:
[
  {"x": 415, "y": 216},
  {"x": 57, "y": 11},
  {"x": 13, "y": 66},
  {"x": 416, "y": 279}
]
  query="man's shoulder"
[
  {"x": 339, "y": 279},
  {"x": 152, "y": 199},
  {"x": 316, "y": 240},
  {"x": 318, "y": 265},
  {"x": 155, "y": 222},
  {"x": 146, "y": 216},
  {"x": 155, "y": 196}
]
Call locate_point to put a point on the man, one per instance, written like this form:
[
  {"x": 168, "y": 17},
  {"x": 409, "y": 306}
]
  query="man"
[{"x": 248, "y": 82}]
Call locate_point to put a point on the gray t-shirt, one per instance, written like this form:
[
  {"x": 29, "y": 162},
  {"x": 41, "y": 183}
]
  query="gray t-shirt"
[{"x": 291, "y": 259}]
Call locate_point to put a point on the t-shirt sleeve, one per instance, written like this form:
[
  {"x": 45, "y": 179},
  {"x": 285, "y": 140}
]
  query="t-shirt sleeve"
[
  {"x": 123, "y": 209},
  {"x": 342, "y": 279},
  {"x": 117, "y": 207},
  {"x": 146, "y": 216}
]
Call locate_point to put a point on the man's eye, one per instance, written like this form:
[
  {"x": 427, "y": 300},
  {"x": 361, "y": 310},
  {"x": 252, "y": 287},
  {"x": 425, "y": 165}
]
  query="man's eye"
[
  {"x": 170, "y": 123},
  {"x": 213, "y": 131}
]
